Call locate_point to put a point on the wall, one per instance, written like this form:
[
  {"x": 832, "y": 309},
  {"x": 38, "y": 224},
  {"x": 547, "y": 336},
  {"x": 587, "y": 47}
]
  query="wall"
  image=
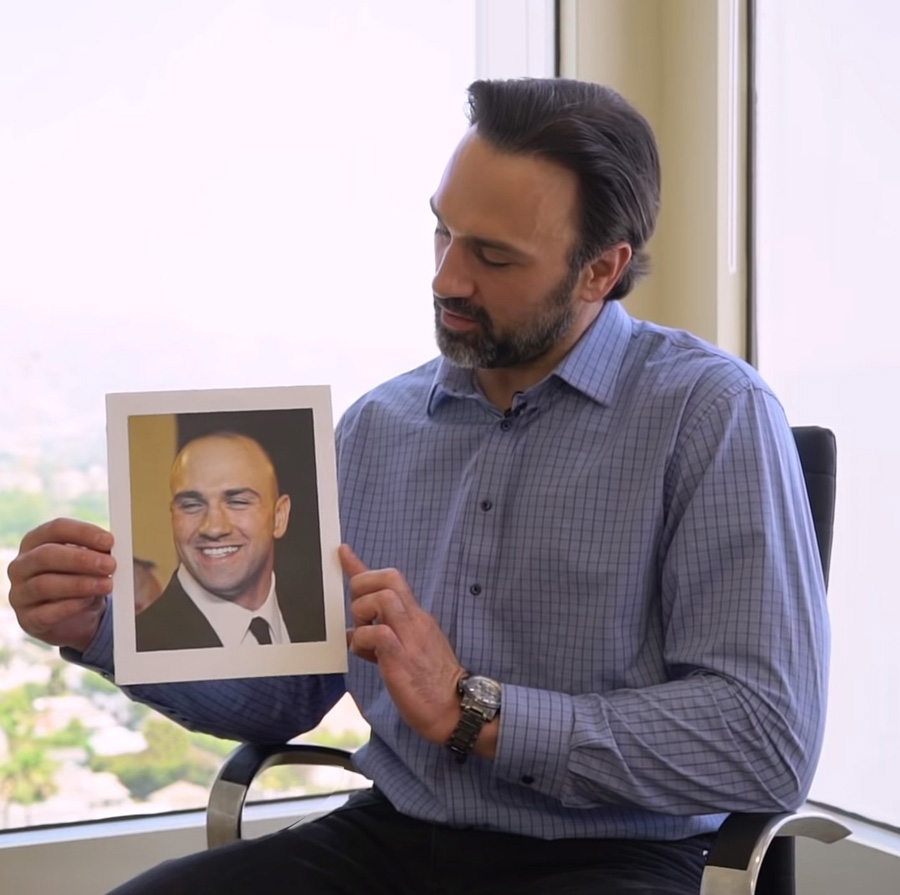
[
  {"x": 152, "y": 443},
  {"x": 96, "y": 857},
  {"x": 848, "y": 866},
  {"x": 681, "y": 63}
]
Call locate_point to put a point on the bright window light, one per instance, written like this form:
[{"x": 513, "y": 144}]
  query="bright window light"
[
  {"x": 209, "y": 194},
  {"x": 827, "y": 193}
]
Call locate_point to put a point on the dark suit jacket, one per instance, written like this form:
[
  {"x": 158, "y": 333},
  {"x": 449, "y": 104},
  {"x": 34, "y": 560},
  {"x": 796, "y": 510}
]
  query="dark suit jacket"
[{"x": 174, "y": 622}]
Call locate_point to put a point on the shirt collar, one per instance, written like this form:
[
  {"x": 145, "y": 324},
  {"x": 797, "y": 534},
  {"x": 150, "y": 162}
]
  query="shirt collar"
[
  {"x": 450, "y": 381},
  {"x": 592, "y": 366},
  {"x": 231, "y": 621}
]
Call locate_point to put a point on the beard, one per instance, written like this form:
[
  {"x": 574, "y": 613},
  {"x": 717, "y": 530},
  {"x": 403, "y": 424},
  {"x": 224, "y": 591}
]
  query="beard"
[{"x": 489, "y": 347}]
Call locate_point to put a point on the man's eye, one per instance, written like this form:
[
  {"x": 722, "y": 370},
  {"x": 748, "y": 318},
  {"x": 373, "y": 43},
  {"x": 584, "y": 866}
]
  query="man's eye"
[
  {"x": 489, "y": 262},
  {"x": 441, "y": 232},
  {"x": 190, "y": 506},
  {"x": 239, "y": 502}
]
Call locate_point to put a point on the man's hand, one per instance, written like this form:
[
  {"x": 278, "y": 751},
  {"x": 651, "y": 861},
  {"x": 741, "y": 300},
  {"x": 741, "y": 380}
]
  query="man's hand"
[
  {"x": 59, "y": 582},
  {"x": 416, "y": 661}
]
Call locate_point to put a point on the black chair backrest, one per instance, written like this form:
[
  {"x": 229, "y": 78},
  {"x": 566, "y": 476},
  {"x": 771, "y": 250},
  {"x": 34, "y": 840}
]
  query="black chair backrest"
[{"x": 818, "y": 457}]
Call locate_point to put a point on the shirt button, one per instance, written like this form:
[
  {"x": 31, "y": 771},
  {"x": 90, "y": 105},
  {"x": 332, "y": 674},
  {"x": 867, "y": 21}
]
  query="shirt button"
[
  {"x": 528, "y": 779},
  {"x": 486, "y": 505},
  {"x": 505, "y": 425},
  {"x": 475, "y": 590}
]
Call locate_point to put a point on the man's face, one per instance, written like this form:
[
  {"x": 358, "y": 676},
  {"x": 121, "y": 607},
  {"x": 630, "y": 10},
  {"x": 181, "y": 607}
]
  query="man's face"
[
  {"x": 504, "y": 288},
  {"x": 226, "y": 515}
]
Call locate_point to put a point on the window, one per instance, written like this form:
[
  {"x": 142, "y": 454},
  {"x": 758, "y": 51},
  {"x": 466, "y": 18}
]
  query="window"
[
  {"x": 827, "y": 190},
  {"x": 211, "y": 194}
]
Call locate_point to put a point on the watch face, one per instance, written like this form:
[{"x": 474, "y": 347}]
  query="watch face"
[{"x": 483, "y": 689}]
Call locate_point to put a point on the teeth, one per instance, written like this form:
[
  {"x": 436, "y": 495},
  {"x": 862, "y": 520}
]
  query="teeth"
[{"x": 218, "y": 551}]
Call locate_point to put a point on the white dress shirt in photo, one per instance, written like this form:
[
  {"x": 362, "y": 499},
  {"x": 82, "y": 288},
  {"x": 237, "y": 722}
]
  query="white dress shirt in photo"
[{"x": 231, "y": 621}]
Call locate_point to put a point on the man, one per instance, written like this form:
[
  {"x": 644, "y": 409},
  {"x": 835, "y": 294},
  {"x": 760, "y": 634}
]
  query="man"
[
  {"x": 587, "y": 614},
  {"x": 227, "y": 513}
]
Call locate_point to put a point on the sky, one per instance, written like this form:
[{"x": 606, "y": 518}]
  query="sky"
[{"x": 219, "y": 194}]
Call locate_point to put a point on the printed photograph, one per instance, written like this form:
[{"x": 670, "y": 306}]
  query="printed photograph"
[{"x": 224, "y": 509}]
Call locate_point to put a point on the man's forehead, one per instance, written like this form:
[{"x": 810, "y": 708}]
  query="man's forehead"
[
  {"x": 494, "y": 194},
  {"x": 226, "y": 462}
]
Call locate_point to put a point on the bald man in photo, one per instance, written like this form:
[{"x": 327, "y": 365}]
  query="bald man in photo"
[{"x": 227, "y": 512}]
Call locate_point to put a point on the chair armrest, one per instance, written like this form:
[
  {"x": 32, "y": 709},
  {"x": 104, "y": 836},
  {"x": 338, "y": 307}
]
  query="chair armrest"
[
  {"x": 732, "y": 868},
  {"x": 229, "y": 790},
  {"x": 734, "y": 863}
]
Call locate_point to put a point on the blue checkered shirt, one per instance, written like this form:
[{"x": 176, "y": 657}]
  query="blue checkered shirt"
[{"x": 628, "y": 549}]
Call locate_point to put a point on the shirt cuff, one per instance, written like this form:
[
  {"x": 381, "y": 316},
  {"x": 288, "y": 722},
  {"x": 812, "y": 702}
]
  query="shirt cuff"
[
  {"x": 534, "y": 739},
  {"x": 99, "y": 654}
]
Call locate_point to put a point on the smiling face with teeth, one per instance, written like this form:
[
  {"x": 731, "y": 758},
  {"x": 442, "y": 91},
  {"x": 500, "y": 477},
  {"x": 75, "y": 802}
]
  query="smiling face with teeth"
[{"x": 226, "y": 515}]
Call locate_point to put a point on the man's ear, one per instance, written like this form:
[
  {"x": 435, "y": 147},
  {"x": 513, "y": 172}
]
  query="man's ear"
[
  {"x": 282, "y": 514},
  {"x": 602, "y": 274}
]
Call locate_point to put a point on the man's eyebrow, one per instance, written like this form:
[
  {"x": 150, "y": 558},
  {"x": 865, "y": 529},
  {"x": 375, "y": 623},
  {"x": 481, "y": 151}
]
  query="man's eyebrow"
[
  {"x": 482, "y": 241},
  {"x": 229, "y": 494},
  {"x": 241, "y": 492},
  {"x": 188, "y": 495}
]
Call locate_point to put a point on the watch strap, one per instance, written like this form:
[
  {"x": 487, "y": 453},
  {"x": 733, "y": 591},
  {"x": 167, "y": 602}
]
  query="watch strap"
[{"x": 462, "y": 740}]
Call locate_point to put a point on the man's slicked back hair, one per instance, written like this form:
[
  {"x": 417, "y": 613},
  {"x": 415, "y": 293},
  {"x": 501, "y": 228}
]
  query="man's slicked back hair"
[{"x": 594, "y": 132}]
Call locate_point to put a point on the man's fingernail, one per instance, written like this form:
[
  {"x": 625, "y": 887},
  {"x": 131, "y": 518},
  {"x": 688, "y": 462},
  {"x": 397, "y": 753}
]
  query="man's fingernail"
[{"x": 106, "y": 565}]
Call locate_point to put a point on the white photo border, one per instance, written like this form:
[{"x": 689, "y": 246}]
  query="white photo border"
[{"x": 320, "y": 657}]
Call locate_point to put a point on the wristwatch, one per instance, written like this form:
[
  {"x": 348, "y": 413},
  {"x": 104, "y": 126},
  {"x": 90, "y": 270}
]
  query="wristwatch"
[{"x": 480, "y": 703}]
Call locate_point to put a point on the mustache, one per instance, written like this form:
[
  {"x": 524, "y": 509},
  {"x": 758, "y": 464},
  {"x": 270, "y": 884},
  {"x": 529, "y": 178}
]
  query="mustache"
[{"x": 461, "y": 306}]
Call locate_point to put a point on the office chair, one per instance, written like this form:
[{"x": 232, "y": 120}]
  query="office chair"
[{"x": 753, "y": 854}]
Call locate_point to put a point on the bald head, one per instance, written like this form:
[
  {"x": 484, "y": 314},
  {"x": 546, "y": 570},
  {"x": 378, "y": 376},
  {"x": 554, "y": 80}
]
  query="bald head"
[
  {"x": 226, "y": 515},
  {"x": 224, "y": 449}
]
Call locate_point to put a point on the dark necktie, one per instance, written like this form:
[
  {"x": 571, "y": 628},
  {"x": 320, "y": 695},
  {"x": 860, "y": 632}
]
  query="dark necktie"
[{"x": 259, "y": 628}]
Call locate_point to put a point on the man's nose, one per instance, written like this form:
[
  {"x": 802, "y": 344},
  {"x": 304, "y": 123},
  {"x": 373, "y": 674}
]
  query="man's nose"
[
  {"x": 216, "y": 523},
  {"x": 452, "y": 277}
]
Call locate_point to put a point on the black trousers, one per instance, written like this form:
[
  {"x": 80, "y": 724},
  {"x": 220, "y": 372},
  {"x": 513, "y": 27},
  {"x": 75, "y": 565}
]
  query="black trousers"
[{"x": 368, "y": 848}]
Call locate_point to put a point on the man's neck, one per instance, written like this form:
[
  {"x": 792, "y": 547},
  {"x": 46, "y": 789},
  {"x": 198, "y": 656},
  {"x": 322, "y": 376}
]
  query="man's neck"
[
  {"x": 256, "y": 596},
  {"x": 250, "y": 600}
]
